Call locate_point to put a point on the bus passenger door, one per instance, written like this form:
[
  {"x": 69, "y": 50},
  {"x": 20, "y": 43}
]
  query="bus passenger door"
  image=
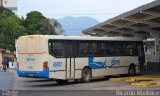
[
  {"x": 70, "y": 62},
  {"x": 141, "y": 56}
]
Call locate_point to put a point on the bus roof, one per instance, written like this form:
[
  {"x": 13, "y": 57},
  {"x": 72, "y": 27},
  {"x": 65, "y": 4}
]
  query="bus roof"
[{"x": 62, "y": 37}]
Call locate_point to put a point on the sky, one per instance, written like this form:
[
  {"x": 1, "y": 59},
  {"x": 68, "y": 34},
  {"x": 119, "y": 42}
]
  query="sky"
[{"x": 100, "y": 10}]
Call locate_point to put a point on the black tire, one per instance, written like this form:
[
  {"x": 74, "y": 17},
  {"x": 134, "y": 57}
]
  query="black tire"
[
  {"x": 59, "y": 81},
  {"x": 86, "y": 75},
  {"x": 106, "y": 77},
  {"x": 132, "y": 70}
]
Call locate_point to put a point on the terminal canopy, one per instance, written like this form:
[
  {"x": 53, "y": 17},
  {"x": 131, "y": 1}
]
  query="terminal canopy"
[{"x": 140, "y": 22}]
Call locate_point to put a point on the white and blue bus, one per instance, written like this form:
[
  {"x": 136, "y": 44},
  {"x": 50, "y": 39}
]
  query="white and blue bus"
[{"x": 77, "y": 57}]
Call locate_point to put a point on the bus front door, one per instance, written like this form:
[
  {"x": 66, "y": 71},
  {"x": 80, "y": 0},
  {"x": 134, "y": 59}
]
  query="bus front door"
[{"x": 70, "y": 62}]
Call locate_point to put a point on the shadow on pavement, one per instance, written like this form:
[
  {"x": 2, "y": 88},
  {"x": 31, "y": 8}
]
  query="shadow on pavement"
[
  {"x": 64, "y": 84},
  {"x": 40, "y": 80}
]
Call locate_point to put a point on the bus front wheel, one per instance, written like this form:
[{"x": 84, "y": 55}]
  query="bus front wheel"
[{"x": 86, "y": 75}]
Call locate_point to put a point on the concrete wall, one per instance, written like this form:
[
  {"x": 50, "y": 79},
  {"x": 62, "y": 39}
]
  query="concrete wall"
[{"x": 10, "y": 3}]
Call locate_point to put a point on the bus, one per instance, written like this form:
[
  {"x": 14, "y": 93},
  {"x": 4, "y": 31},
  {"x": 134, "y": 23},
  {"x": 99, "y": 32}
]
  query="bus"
[{"x": 64, "y": 58}]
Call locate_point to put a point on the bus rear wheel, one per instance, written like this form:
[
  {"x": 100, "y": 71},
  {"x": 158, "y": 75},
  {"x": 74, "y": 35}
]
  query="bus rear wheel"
[
  {"x": 59, "y": 81},
  {"x": 86, "y": 75},
  {"x": 132, "y": 70}
]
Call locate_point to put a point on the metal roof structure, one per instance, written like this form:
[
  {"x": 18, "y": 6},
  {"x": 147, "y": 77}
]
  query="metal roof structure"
[{"x": 139, "y": 22}]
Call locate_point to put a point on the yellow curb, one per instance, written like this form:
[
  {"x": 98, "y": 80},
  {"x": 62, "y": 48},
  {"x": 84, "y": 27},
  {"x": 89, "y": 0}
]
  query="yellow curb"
[
  {"x": 117, "y": 79},
  {"x": 122, "y": 79},
  {"x": 133, "y": 79},
  {"x": 140, "y": 84},
  {"x": 145, "y": 83},
  {"x": 158, "y": 83},
  {"x": 136, "y": 84},
  {"x": 146, "y": 79}
]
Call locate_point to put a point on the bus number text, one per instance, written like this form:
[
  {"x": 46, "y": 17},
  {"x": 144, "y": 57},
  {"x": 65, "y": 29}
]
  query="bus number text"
[{"x": 57, "y": 64}]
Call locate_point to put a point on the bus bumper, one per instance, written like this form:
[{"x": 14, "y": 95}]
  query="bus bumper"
[{"x": 37, "y": 74}]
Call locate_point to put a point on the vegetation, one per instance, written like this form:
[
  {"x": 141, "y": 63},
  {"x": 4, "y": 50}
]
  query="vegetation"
[{"x": 11, "y": 27}]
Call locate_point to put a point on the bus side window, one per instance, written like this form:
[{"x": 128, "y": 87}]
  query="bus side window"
[
  {"x": 56, "y": 48},
  {"x": 50, "y": 45},
  {"x": 85, "y": 48},
  {"x": 124, "y": 49},
  {"x": 111, "y": 49}
]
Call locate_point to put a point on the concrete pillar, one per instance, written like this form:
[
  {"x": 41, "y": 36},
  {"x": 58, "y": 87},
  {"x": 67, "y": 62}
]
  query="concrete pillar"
[
  {"x": 157, "y": 46},
  {"x": 157, "y": 51}
]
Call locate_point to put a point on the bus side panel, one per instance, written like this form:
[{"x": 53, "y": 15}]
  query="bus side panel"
[
  {"x": 80, "y": 63},
  {"x": 114, "y": 65},
  {"x": 122, "y": 65},
  {"x": 57, "y": 75},
  {"x": 99, "y": 72},
  {"x": 57, "y": 68},
  {"x": 111, "y": 66},
  {"x": 59, "y": 71}
]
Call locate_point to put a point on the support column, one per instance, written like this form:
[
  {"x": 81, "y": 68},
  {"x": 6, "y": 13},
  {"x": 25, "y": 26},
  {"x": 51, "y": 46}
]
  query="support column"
[
  {"x": 157, "y": 49},
  {"x": 157, "y": 46}
]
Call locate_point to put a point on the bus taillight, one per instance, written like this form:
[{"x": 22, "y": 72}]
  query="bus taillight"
[{"x": 45, "y": 64}]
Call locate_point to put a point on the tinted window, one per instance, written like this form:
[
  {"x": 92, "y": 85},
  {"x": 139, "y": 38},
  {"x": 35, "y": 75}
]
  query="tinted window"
[
  {"x": 62, "y": 48},
  {"x": 56, "y": 48}
]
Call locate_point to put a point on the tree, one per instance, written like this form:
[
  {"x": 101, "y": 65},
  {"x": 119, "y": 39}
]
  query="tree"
[
  {"x": 36, "y": 23},
  {"x": 57, "y": 26},
  {"x": 5, "y": 11},
  {"x": 10, "y": 28}
]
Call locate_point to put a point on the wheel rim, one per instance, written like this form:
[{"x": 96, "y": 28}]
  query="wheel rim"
[
  {"x": 86, "y": 75},
  {"x": 132, "y": 71}
]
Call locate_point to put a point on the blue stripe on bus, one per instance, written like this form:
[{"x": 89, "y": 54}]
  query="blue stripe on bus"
[
  {"x": 96, "y": 65},
  {"x": 38, "y": 74}
]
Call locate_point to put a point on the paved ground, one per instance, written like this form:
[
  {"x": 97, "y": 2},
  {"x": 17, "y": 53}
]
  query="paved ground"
[
  {"x": 41, "y": 87},
  {"x": 6, "y": 80},
  {"x": 96, "y": 84}
]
